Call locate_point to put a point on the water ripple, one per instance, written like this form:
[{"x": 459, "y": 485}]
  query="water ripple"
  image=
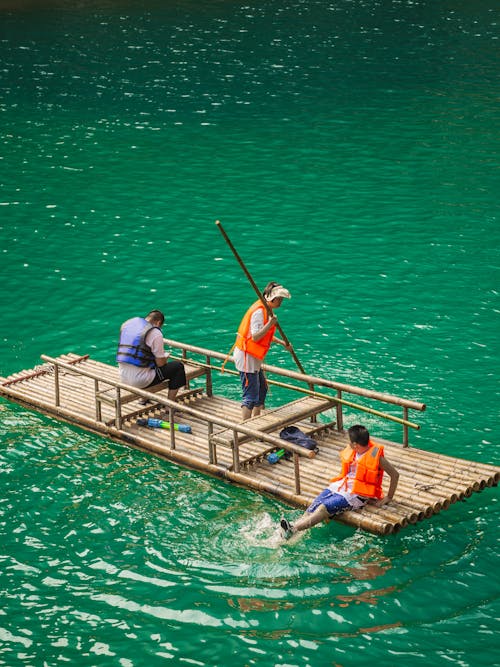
[{"x": 350, "y": 148}]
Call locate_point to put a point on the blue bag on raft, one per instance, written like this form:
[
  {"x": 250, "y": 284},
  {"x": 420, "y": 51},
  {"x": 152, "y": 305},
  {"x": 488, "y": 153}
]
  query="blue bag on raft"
[{"x": 298, "y": 437}]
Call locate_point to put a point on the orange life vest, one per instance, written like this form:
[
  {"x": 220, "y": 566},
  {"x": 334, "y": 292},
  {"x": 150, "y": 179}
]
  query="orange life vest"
[
  {"x": 244, "y": 340},
  {"x": 368, "y": 479}
]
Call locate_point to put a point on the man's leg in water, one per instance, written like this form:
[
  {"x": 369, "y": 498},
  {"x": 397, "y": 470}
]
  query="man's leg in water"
[{"x": 307, "y": 520}]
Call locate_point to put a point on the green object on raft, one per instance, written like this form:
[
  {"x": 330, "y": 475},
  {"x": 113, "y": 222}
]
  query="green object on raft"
[{"x": 159, "y": 423}]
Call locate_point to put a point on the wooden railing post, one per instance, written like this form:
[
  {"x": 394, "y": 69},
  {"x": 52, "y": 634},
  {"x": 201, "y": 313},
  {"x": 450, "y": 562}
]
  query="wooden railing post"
[
  {"x": 56, "y": 385},
  {"x": 118, "y": 409},
  {"x": 296, "y": 470},
  {"x": 340, "y": 416},
  {"x": 406, "y": 439},
  {"x": 212, "y": 448},
  {"x": 171, "y": 415},
  {"x": 208, "y": 376},
  {"x": 236, "y": 451},
  {"x": 98, "y": 411},
  {"x": 185, "y": 359}
]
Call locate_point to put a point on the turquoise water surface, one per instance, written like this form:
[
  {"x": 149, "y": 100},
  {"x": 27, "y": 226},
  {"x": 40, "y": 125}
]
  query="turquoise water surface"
[{"x": 350, "y": 149}]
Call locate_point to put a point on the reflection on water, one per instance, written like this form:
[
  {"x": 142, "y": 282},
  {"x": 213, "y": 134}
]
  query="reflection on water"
[{"x": 94, "y": 538}]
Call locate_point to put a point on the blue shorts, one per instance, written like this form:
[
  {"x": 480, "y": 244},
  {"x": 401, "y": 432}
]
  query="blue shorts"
[
  {"x": 254, "y": 387},
  {"x": 334, "y": 503}
]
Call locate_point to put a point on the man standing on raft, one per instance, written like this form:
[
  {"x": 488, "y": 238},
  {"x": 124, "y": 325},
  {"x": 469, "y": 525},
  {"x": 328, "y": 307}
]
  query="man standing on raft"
[
  {"x": 360, "y": 482},
  {"x": 253, "y": 340}
]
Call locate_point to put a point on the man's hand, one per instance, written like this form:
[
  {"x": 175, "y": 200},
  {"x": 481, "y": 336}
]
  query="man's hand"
[{"x": 383, "y": 501}]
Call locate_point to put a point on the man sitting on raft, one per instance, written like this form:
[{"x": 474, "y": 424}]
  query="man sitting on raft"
[
  {"x": 141, "y": 356},
  {"x": 359, "y": 483}
]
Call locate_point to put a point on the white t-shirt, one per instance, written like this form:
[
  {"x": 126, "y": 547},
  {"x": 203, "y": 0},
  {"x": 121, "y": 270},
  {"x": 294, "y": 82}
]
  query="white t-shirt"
[
  {"x": 138, "y": 376},
  {"x": 344, "y": 486},
  {"x": 244, "y": 361}
]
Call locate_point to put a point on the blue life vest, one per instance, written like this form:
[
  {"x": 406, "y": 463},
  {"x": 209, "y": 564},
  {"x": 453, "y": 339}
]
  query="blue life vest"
[{"x": 132, "y": 348}]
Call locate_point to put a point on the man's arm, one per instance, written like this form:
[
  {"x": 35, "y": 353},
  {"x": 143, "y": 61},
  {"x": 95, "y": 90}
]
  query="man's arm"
[
  {"x": 394, "y": 475},
  {"x": 154, "y": 339},
  {"x": 257, "y": 327}
]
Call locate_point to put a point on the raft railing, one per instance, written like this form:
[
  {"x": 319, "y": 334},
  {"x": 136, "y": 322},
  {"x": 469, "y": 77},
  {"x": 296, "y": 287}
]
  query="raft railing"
[
  {"x": 274, "y": 442},
  {"x": 313, "y": 381},
  {"x": 429, "y": 482}
]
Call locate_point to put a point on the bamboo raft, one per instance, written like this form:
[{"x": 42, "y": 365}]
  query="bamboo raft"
[{"x": 87, "y": 393}]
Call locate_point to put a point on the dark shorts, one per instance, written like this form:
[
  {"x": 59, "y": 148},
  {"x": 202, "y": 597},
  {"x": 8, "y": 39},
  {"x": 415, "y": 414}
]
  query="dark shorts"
[
  {"x": 172, "y": 371},
  {"x": 254, "y": 387},
  {"x": 334, "y": 503}
]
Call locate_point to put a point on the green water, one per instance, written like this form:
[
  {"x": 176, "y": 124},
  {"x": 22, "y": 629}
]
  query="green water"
[{"x": 351, "y": 151}]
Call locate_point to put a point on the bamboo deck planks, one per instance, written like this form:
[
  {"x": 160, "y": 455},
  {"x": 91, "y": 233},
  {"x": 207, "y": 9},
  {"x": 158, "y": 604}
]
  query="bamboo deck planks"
[{"x": 429, "y": 482}]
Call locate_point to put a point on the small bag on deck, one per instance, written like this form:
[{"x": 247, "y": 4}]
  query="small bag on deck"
[{"x": 298, "y": 437}]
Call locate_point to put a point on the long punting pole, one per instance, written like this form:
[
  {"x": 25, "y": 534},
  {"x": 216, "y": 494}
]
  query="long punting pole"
[{"x": 260, "y": 295}]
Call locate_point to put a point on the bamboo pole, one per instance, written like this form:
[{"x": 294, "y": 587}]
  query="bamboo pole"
[{"x": 260, "y": 295}]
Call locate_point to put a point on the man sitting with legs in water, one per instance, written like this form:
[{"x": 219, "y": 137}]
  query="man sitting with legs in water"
[{"x": 359, "y": 483}]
